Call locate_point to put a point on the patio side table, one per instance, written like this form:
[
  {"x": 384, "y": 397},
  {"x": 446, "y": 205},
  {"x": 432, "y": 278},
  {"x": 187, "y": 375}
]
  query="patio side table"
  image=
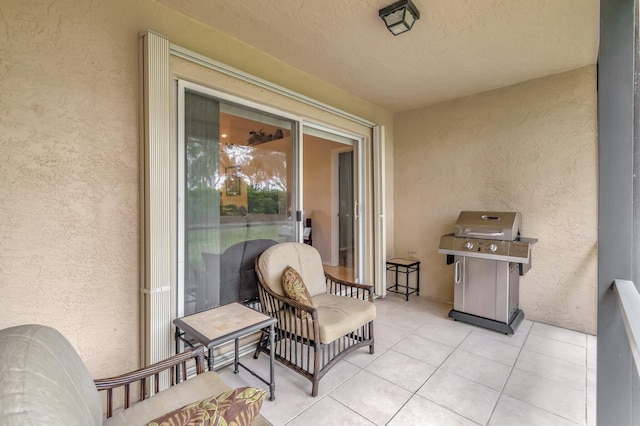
[
  {"x": 406, "y": 267},
  {"x": 220, "y": 325}
]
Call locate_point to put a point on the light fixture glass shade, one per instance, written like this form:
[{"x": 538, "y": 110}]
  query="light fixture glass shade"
[{"x": 400, "y": 16}]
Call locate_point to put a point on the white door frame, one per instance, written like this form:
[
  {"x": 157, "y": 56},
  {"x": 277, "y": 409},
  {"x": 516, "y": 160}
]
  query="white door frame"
[{"x": 356, "y": 143}]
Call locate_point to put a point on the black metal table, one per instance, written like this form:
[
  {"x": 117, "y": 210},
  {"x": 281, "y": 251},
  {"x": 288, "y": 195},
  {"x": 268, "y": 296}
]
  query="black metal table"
[
  {"x": 220, "y": 325},
  {"x": 407, "y": 267}
]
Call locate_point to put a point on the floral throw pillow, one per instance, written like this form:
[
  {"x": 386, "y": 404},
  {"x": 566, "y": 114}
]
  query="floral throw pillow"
[
  {"x": 295, "y": 289},
  {"x": 231, "y": 408}
]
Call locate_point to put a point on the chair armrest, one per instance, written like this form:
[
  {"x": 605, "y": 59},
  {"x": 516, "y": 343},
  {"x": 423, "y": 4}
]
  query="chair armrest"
[
  {"x": 292, "y": 321},
  {"x": 174, "y": 364},
  {"x": 349, "y": 289},
  {"x": 272, "y": 299}
]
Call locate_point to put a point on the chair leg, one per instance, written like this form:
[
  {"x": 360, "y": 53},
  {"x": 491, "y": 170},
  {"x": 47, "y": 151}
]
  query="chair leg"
[
  {"x": 317, "y": 356},
  {"x": 263, "y": 335},
  {"x": 371, "y": 350}
]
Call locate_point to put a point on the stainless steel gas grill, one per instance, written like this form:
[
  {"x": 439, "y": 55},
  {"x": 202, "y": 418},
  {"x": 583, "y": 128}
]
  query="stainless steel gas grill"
[{"x": 489, "y": 256}]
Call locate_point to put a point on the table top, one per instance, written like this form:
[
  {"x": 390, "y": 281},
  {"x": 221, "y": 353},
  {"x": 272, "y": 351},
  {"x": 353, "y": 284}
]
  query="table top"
[
  {"x": 223, "y": 323},
  {"x": 403, "y": 262}
]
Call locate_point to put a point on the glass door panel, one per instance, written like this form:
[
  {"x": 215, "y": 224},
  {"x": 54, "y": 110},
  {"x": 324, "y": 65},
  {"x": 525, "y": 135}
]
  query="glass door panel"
[{"x": 236, "y": 183}]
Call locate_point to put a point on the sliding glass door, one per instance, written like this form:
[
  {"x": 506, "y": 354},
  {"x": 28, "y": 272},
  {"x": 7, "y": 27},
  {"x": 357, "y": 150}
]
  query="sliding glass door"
[
  {"x": 235, "y": 189},
  {"x": 246, "y": 181}
]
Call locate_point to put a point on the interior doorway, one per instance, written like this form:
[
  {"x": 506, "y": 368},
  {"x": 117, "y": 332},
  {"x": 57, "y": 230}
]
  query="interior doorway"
[{"x": 330, "y": 199}]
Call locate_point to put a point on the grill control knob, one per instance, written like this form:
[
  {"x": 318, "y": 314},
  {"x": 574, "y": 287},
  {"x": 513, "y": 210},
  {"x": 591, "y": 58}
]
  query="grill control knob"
[
  {"x": 468, "y": 245},
  {"x": 493, "y": 247}
]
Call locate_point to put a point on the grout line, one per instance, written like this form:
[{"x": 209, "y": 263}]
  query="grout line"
[
  {"x": 415, "y": 393},
  {"x": 504, "y": 385},
  {"x": 350, "y": 409},
  {"x": 428, "y": 310}
]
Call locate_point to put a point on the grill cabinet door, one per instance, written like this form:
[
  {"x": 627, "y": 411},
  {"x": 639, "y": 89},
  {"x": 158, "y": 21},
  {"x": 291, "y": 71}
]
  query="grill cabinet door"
[{"x": 475, "y": 293}]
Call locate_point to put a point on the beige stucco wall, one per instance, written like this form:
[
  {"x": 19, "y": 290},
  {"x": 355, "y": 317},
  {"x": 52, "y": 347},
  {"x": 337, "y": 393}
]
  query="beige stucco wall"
[
  {"x": 530, "y": 148},
  {"x": 69, "y": 226}
]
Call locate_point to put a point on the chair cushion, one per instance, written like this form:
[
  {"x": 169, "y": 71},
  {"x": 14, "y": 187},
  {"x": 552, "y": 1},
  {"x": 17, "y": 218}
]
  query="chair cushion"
[
  {"x": 339, "y": 315},
  {"x": 302, "y": 257},
  {"x": 194, "y": 389},
  {"x": 294, "y": 288},
  {"x": 233, "y": 407},
  {"x": 43, "y": 380}
]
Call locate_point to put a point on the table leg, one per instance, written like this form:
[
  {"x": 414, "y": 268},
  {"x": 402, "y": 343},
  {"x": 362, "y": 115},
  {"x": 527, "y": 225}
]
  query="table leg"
[
  {"x": 272, "y": 385},
  {"x": 236, "y": 359},
  {"x": 396, "y": 277},
  {"x": 210, "y": 359},
  {"x": 418, "y": 281},
  {"x": 406, "y": 281},
  {"x": 177, "y": 339}
]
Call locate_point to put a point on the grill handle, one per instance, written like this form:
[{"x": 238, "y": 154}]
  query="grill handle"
[
  {"x": 483, "y": 234},
  {"x": 456, "y": 272}
]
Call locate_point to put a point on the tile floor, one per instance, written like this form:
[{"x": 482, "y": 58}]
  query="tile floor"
[{"x": 430, "y": 370}]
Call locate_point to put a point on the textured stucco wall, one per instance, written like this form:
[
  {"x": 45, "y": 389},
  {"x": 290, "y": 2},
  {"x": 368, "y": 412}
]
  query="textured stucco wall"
[
  {"x": 531, "y": 148},
  {"x": 69, "y": 226}
]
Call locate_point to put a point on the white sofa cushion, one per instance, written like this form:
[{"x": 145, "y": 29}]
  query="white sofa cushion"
[{"x": 44, "y": 381}]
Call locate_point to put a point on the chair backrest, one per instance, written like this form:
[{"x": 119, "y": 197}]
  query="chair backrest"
[
  {"x": 44, "y": 381},
  {"x": 238, "y": 281},
  {"x": 302, "y": 257},
  {"x": 231, "y": 275}
]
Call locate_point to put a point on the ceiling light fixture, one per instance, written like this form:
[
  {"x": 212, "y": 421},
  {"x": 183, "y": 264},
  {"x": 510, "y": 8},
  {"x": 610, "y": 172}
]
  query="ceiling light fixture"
[{"x": 400, "y": 16}]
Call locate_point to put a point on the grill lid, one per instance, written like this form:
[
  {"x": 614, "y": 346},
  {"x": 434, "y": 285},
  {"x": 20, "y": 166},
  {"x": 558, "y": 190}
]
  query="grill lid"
[{"x": 488, "y": 225}]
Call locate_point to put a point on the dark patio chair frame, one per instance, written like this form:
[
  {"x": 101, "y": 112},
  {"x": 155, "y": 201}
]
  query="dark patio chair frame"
[
  {"x": 293, "y": 348},
  {"x": 176, "y": 366}
]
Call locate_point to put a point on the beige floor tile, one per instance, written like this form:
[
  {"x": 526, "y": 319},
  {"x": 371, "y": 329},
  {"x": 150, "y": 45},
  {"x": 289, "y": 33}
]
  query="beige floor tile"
[
  {"x": 402, "y": 370},
  {"x": 516, "y": 339},
  {"x": 388, "y": 304},
  {"x": 559, "y": 370},
  {"x": 464, "y": 367},
  {"x": 510, "y": 412},
  {"x": 557, "y": 349},
  {"x": 425, "y": 350},
  {"x": 386, "y": 336},
  {"x": 591, "y": 409},
  {"x": 403, "y": 319},
  {"x": 491, "y": 349},
  {"x": 462, "y": 396},
  {"x": 446, "y": 331},
  {"x": 293, "y": 396},
  {"x": 561, "y": 334},
  {"x": 477, "y": 368},
  {"x": 373, "y": 398},
  {"x": 419, "y": 411},
  {"x": 361, "y": 357},
  {"x": 592, "y": 352},
  {"x": 424, "y": 305},
  {"x": 329, "y": 412},
  {"x": 548, "y": 395}
]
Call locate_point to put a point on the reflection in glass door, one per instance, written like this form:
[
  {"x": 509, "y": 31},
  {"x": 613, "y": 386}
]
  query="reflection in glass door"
[{"x": 235, "y": 186}]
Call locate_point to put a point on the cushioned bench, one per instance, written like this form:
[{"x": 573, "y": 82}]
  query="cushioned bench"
[{"x": 44, "y": 381}]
